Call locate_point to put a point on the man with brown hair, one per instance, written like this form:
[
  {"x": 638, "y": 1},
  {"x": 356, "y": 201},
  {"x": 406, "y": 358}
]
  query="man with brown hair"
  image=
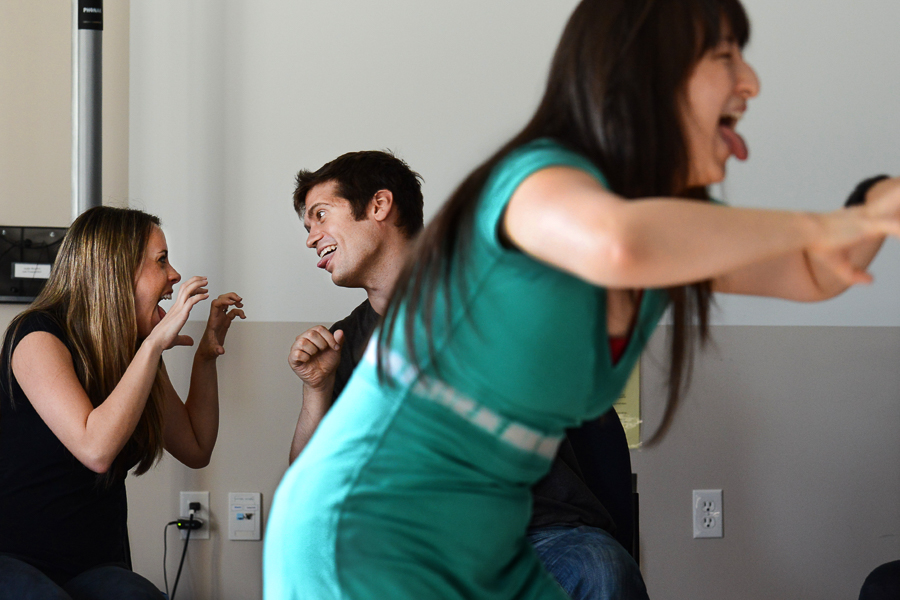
[{"x": 362, "y": 211}]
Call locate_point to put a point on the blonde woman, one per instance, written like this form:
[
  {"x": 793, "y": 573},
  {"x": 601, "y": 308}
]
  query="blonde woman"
[{"x": 84, "y": 397}]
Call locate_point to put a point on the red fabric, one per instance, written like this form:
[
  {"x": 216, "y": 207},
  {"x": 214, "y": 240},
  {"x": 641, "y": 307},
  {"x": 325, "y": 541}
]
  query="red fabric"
[
  {"x": 617, "y": 347},
  {"x": 618, "y": 344}
]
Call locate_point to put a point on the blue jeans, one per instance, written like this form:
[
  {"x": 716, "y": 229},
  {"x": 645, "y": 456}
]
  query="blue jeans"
[
  {"x": 589, "y": 563},
  {"x": 21, "y": 581}
]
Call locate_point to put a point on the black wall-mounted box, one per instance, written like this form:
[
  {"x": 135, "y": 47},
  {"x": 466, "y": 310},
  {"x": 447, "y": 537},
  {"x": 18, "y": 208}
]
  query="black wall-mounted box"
[{"x": 26, "y": 256}]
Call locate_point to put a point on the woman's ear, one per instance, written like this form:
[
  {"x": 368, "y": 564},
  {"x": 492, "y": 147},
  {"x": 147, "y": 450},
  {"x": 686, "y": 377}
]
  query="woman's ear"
[{"x": 381, "y": 205}]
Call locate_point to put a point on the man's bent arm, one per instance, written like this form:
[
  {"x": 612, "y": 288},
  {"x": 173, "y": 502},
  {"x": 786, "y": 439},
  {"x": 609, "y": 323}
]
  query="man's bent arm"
[
  {"x": 314, "y": 358},
  {"x": 316, "y": 402}
]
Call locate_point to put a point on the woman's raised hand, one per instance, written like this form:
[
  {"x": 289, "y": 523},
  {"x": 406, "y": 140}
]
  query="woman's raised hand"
[
  {"x": 168, "y": 331},
  {"x": 222, "y": 312}
]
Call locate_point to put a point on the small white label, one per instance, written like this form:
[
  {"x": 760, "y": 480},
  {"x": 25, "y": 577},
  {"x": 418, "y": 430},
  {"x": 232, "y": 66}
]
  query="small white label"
[
  {"x": 244, "y": 516},
  {"x": 31, "y": 271}
]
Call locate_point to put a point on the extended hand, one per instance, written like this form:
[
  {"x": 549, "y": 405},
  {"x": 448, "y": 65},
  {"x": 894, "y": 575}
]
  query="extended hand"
[
  {"x": 843, "y": 231},
  {"x": 315, "y": 356},
  {"x": 212, "y": 345},
  {"x": 883, "y": 198},
  {"x": 167, "y": 331}
]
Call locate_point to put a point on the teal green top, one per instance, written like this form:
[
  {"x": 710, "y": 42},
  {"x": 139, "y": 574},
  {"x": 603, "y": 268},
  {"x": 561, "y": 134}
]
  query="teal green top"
[
  {"x": 421, "y": 489},
  {"x": 534, "y": 342}
]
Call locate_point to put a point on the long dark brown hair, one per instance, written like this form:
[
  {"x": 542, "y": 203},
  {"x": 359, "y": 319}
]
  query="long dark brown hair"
[
  {"x": 90, "y": 296},
  {"x": 614, "y": 94}
]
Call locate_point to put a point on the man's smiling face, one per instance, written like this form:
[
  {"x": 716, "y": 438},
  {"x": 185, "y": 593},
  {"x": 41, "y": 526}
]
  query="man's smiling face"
[{"x": 346, "y": 246}]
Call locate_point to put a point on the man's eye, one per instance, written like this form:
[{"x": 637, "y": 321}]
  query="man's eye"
[{"x": 320, "y": 214}]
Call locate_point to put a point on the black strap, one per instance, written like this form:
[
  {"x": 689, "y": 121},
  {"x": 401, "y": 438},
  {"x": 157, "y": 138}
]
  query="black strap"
[{"x": 858, "y": 195}]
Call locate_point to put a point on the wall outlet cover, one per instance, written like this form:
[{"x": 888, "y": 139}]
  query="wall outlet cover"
[
  {"x": 203, "y": 514},
  {"x": 707, "y": 514}
]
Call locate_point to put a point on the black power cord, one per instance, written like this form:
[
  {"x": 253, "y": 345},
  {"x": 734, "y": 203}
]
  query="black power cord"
[
  {"x": 190, "y": 524},
  {"x": 187, "y": 538},
  {"x": 165, "y": 552}
]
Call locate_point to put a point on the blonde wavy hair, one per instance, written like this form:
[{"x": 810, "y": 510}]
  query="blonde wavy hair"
[{"x": 90, "y": 295}]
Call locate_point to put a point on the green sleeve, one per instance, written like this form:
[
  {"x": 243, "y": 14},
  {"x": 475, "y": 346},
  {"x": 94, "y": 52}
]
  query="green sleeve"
[{"x": 509, "y": 174}]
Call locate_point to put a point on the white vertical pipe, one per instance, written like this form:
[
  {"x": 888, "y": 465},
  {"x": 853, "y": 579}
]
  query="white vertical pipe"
[{"x": 87, "y": 99}]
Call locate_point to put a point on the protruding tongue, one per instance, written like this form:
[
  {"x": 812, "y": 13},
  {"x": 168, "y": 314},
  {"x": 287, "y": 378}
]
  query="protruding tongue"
[
  {"x": 324, "y": 261},
  {"x": 160, "y": 312},
  {"x": 735, "y": 142}
]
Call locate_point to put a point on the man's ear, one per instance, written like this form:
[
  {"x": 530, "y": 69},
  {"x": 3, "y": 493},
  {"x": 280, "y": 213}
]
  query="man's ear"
[{"x": 382, "y": 204}]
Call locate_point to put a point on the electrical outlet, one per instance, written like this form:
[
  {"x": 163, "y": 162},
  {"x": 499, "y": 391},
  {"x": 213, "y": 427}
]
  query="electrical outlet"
[
  {"x": 708, "y": 514},
  {"x": 203, "y": 514}
]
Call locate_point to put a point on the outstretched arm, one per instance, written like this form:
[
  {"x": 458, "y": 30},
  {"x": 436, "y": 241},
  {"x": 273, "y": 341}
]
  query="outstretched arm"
[
  {"x": 191, "y": 428},
  {"x": 314, "y": 357},
  {"x": 565, "y": 218},
  {"x": 800, "y": 276},
  {"x": 44, "y": 369}
]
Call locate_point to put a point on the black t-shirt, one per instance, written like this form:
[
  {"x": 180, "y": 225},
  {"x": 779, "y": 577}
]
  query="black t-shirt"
[
  {"x": 357, "y": 328},
  {"x": 57, "y": 515},
  {"x": 590, "y": 480}
]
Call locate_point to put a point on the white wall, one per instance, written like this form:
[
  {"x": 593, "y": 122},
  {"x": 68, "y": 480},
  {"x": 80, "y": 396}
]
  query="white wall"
[
  {"x": 231, "y": 98},
  {"x": 830, "y": 77}
]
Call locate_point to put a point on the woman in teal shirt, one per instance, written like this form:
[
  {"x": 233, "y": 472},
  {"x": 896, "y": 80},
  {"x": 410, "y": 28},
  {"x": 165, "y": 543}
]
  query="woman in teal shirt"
[{"x": 582, "y": 229}]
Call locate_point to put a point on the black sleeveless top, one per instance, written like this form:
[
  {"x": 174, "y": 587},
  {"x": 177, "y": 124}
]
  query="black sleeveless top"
[{"x": 58, "y": 516}]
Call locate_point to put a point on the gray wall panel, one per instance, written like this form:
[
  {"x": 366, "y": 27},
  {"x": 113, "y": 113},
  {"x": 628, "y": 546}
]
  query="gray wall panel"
[{"x": 799, "y": 427}]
